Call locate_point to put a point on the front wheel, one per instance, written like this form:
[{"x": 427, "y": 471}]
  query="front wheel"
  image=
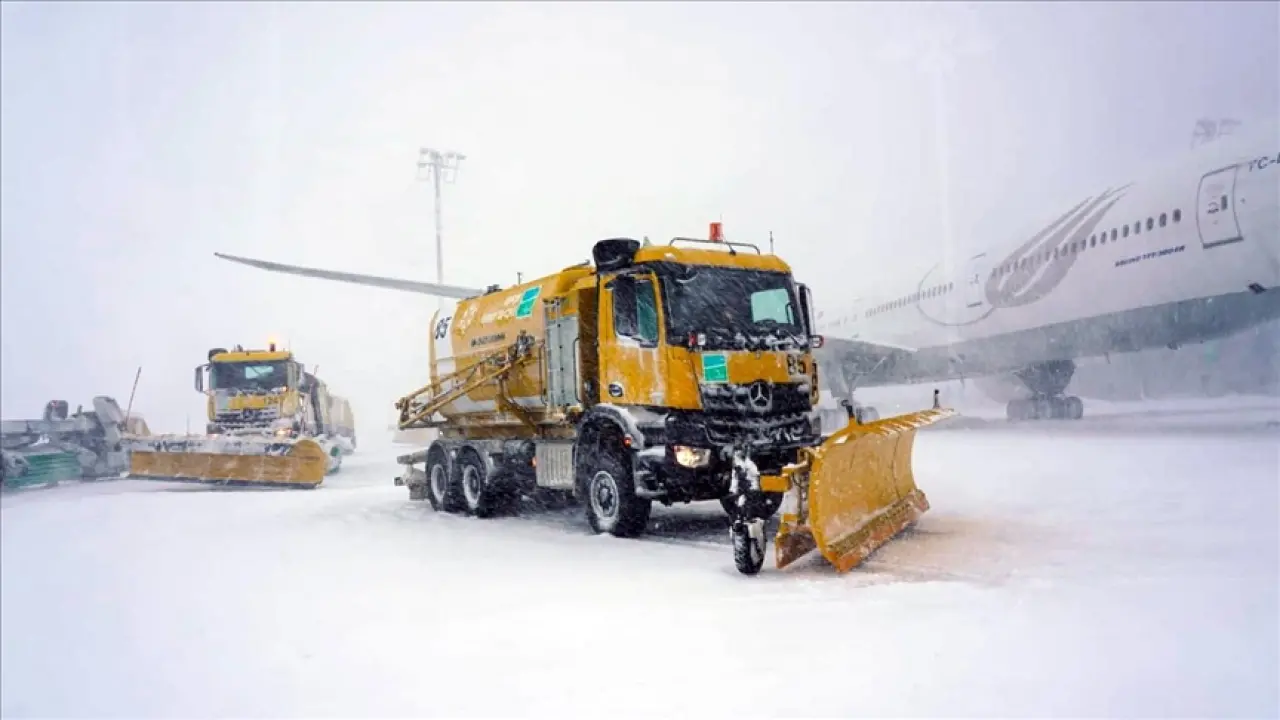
[
  {"x": 611, "y": 502},
  {"x": 748, "y": 545}
]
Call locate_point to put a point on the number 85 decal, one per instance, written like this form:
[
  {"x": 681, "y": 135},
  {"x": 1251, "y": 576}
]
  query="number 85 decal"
[{"x": 796, "y": 365}]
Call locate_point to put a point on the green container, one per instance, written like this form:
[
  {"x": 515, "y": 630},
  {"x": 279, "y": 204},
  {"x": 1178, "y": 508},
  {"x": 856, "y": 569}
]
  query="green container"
[{"x": 45, "y": 468}]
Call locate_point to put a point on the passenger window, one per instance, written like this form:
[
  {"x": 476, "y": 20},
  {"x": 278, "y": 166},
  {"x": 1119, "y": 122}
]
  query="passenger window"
[
  {"x": 1164, "y": 219},
  {"x": 1177, "y": 215},
  {"x": 1093, "y": 241},
  {"x": 1125, "y": 233},
  {"x": 646, "y": 312},
  {"x": 1113, "y": 234},
  {"x": 1137, "y": 227},
  {"x": 1151, "y": 223}
]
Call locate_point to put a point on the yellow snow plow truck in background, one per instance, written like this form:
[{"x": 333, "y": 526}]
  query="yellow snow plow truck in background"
[
  {"x": 270, "y": 422},
  {"x": 674, "y": 373}
]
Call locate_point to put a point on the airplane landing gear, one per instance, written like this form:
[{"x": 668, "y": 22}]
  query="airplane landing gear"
[
  {"x": 1046, "y": 407},
  {"x": 1048, "y": 401}
]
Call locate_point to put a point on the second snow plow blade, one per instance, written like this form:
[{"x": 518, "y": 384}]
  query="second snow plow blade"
[
  {"x": 854, "y": 492},
  {"x": 264, "y": 462}
]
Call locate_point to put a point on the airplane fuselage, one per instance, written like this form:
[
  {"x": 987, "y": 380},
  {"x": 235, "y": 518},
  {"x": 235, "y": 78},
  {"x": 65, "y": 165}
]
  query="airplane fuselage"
[{"x": 1190, "y": 254}]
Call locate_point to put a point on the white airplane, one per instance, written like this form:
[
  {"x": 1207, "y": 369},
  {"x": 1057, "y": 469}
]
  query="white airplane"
[{"x": 1186, "y": 255}]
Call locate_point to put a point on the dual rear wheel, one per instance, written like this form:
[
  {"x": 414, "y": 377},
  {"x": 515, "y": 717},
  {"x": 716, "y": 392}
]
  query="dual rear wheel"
[{"x": 468, "y": 489}]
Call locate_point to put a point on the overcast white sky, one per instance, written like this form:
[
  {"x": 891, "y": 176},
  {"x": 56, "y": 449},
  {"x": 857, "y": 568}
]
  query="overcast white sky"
[{"x": 138, "y": 139}]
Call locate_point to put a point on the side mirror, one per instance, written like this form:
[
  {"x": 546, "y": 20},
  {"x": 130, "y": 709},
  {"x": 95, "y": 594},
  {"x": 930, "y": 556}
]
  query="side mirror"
[{"x": 816, "y": 341}]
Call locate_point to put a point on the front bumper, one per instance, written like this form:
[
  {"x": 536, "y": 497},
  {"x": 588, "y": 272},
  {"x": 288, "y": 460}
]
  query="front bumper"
[{"x": 770, "y": 443}]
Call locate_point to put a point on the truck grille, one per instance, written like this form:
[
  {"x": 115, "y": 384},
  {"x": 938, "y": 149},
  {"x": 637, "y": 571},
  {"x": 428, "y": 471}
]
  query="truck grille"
[
  {"x": 247, "y": 417},
  {"x": 759, "y": 398}
]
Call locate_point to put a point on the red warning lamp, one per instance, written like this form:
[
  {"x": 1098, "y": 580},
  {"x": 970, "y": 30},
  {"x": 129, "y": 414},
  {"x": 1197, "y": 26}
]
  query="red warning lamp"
[{"x": 717, "y": 232}]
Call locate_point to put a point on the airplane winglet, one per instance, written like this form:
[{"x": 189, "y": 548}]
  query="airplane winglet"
[{"x": 455, "y": 292}]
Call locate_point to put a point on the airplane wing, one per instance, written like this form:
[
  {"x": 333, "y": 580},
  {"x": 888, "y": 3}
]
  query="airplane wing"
[
  {"x": 868, "y": 363},
  {"x": 413, "y": 286},
  {"x": 862, "y": 357}
]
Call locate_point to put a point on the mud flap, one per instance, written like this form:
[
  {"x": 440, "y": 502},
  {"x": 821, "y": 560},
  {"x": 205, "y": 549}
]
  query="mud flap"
[
  {"x": 854, "y": 492},
  {"x": 302, "y": 464}
]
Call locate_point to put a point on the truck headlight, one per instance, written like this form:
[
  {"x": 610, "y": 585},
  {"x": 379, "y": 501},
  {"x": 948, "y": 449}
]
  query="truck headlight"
[{"x": 691, "y": 457}]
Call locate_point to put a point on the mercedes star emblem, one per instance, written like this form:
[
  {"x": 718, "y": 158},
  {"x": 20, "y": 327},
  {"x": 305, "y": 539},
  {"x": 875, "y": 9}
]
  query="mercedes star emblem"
[{"x": 758, "y": 394}]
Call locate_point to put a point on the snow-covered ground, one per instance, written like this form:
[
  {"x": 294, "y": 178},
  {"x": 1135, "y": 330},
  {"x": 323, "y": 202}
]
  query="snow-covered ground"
[{"x": 1066, "y": 574}]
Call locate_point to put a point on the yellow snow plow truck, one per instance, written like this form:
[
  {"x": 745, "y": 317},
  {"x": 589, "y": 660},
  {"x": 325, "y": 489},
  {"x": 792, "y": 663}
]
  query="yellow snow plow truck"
[
  {"x": 669, "y": 373},
  {"x": 270, "y": 423}
]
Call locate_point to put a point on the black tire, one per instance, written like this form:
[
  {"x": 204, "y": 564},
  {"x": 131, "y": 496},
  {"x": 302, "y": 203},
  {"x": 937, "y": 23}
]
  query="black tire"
[
  {"x": 1075, "y": 408},
  {"x": 748, "y": 552},
  {"x": 609, "y": 497},
  {"x": 444, "y": 490},
  {"x": 478, "y": 494},
  {"x": 772, "y": 501}
]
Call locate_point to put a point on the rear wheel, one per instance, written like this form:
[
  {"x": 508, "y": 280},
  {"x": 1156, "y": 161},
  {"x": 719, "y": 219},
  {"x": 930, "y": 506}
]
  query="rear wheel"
[
  {"x": 610, "y": 498},
  {"x": 477, "y": 492},
  {"x": 444, "y": 492}
]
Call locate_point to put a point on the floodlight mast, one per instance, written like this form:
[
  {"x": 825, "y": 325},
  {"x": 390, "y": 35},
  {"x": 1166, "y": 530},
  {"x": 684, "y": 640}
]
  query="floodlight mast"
[{"x": 442, "y": 166}]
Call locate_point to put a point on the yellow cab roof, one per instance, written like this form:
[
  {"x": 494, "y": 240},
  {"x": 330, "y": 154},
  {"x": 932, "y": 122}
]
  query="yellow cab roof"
[
  {"x": 252, "y": 356},
  {"x": 584, "y": 275},
  {"x": 745, "y": 258}
]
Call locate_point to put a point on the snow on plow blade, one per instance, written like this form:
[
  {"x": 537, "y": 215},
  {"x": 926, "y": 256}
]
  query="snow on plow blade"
[
  {"x": 265, "y": 462},
  {"x": 854, "y": 492}
]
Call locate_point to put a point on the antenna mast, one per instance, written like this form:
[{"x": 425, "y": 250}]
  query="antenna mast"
[{"x": 441, "y": 166}]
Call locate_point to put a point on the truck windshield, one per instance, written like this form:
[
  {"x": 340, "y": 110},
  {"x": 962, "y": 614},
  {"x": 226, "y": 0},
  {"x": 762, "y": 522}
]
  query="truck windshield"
[
  {"x": 727, "y": 302},
  {"x": 253, "y": 376}
]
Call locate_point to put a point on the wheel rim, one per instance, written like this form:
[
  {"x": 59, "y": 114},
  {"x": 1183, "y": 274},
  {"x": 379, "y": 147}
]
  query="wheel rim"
[
  {"x": 437, "y": 481},
  {"x": 471, "y": 485},
  {"x": 604, "y": 496}
]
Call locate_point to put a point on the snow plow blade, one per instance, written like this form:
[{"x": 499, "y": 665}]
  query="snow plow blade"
[
  {"x": 854, "y": 492},
  {"x": 262, "y": 462}
]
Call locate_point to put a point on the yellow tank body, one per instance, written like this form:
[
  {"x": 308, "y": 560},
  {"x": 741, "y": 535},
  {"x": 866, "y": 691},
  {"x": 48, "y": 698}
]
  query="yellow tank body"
[{"x": 483, "y": 325}]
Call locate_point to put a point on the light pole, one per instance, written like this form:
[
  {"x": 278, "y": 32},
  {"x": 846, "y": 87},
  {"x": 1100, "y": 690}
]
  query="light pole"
[{"x": 442, "y": 166}]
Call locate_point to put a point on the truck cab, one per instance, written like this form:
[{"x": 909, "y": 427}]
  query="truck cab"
[
  {"x": 703, "y": 362},
  {"x": 250, "y": 388}
]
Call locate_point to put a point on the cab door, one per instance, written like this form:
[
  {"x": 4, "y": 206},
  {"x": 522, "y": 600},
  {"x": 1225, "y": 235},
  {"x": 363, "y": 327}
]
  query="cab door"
[{"x": 632, "y": 368}]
